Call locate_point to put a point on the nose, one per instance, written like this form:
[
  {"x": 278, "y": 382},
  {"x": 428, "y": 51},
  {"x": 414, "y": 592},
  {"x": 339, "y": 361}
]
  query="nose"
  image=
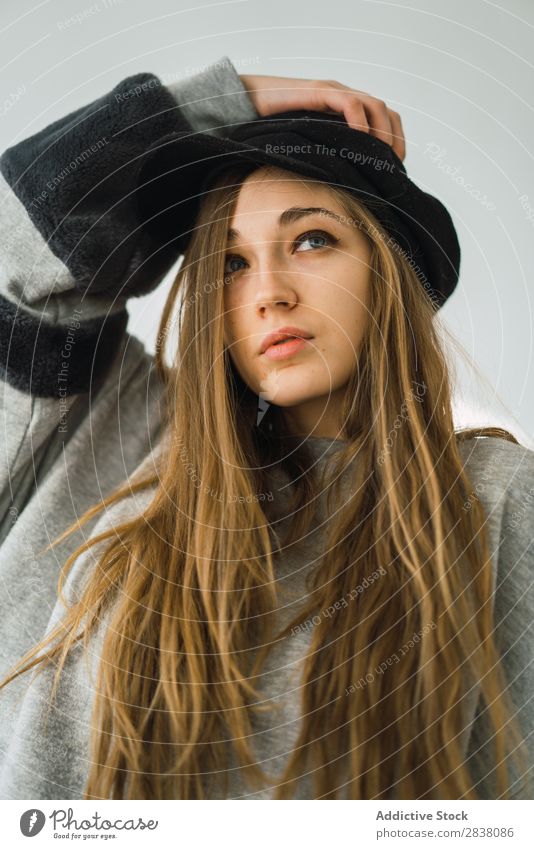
[{"x": 275, "y": 287}]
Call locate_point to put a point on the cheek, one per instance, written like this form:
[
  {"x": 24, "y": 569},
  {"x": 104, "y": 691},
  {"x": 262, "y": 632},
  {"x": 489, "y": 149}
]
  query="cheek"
[{"x": 348, "y": 317}]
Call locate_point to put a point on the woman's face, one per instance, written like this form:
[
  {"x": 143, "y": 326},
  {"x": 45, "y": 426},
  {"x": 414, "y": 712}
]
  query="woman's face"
[{"x": 289, "y": 266}]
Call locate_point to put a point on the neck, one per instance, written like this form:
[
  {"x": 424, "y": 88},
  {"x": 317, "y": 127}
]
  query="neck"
[{"x": 317, "y": 418}]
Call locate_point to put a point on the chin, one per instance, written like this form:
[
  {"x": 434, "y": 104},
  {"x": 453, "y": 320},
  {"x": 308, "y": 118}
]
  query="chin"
[{"x": 287, "y": 396}]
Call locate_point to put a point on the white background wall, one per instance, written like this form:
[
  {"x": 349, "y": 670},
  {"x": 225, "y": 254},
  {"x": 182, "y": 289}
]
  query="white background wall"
[{"x": 460, "y": 74}]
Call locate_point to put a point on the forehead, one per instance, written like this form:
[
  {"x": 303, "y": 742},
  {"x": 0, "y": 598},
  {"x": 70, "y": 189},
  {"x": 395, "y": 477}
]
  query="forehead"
[{"x": 268, "y": 191}]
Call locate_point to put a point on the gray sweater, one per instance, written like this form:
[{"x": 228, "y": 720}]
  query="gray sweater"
[{"x": 80, "y": 404}]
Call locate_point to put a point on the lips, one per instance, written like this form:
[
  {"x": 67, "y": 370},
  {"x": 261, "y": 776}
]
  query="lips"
[
  {"x": 284, "y": 339},
  {"x": 282, "y": 333}
]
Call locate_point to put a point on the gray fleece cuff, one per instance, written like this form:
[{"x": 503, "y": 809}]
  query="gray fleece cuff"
[{"x": 214, "y": 99}]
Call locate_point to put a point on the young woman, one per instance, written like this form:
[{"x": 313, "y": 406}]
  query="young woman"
[{"x": 309, "y": 584}]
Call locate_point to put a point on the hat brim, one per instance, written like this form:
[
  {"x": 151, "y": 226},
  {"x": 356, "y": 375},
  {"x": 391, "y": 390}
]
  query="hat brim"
[
  {"x": 176, "y": 170},
  {"x": 172, "y": 179}
]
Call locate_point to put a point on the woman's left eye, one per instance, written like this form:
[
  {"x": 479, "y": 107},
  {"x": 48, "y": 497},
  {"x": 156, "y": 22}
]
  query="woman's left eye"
[{"x": 313, "y": 236}]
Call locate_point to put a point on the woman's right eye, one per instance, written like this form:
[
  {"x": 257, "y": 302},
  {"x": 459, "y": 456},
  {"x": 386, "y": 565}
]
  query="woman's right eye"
[{"x": 232, "y": 258}]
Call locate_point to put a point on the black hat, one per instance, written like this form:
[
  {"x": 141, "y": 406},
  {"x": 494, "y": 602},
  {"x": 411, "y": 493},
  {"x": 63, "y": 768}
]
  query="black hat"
[{"x": 179, "y": 167}]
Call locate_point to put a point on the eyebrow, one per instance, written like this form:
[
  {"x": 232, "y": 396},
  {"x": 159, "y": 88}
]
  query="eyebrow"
[{"x": 288, "y": 216}]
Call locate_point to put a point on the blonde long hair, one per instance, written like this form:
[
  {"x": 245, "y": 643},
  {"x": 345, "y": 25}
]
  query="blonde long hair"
[{"x": 207, "y": 592}]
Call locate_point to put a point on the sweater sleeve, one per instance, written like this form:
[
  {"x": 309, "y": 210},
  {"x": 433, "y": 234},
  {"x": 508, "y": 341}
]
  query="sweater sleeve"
[
  {"x": 513, "y": 620},
  {"x": 73, "y": 248}
]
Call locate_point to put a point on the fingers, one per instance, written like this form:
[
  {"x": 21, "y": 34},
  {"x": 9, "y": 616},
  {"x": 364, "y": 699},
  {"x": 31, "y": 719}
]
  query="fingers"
[
  {"x": 399, "y": 143},
  {"x": 377, "y": 116},
  {"x": 333, "y": 96},
  {"x": 360, "y": 110},
  {"x": 363, "y": 112}
]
